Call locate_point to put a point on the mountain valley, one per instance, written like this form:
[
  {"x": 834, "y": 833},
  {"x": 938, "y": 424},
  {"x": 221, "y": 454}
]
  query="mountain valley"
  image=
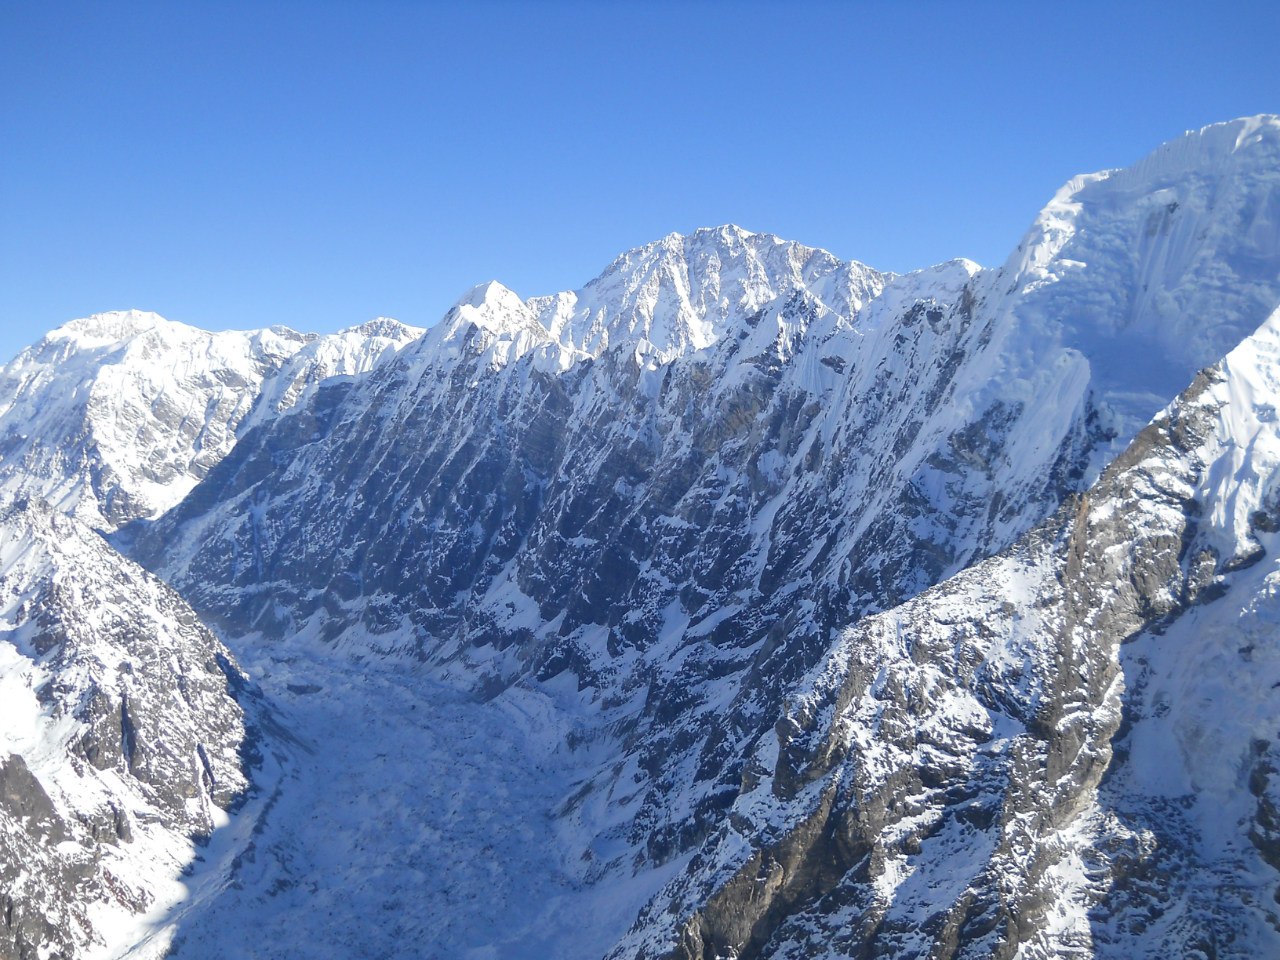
[{"x": 746, "y": 602}]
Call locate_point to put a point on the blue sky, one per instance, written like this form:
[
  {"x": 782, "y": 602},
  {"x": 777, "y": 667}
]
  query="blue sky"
[{"x": 317, "y": 164}]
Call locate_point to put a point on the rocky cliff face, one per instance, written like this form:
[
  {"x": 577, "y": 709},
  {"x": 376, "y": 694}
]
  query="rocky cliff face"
[
  {"x": 122, "y": 743},
  {"x": 816, "y": 611},
  {"x": 1064, "y": 750}
]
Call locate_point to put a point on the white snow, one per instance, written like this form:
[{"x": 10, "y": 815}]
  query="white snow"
[{"x": 119, "y": 415}]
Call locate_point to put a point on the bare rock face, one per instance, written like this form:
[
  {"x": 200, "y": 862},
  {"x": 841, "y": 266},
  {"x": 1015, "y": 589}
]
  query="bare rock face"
[
  {"x": 25, "y": 931},
  {"x": 122, "y": 744}
]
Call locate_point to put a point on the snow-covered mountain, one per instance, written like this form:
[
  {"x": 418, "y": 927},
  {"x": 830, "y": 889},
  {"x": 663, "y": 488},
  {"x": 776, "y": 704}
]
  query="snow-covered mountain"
[
  {"x": 117, "y": 416},
  {"x": 122, "y": 743},
  {"x": 746, "y": 602},
  {"x": 683, "y": 293},
  {"x": 1065, "y": 750}
]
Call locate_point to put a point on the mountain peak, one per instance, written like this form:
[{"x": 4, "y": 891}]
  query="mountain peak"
[
  {"x": 112, "y": 326},
  {"x": 387, "y": 328},
  {"x": 139, "y": 407},
  {"x": 490, "y": 295},
  {"x": 726, "y": 233},
  {"x": 682, "y": 292},
  {"x": 495, "y": 310}
]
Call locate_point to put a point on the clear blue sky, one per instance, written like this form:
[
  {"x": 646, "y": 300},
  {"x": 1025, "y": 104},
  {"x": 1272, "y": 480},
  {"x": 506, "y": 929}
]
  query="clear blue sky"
[{"x": 317, "y": 164}]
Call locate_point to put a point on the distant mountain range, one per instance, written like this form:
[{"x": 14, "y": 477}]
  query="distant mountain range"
[{"x": 744, "y": 603}]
